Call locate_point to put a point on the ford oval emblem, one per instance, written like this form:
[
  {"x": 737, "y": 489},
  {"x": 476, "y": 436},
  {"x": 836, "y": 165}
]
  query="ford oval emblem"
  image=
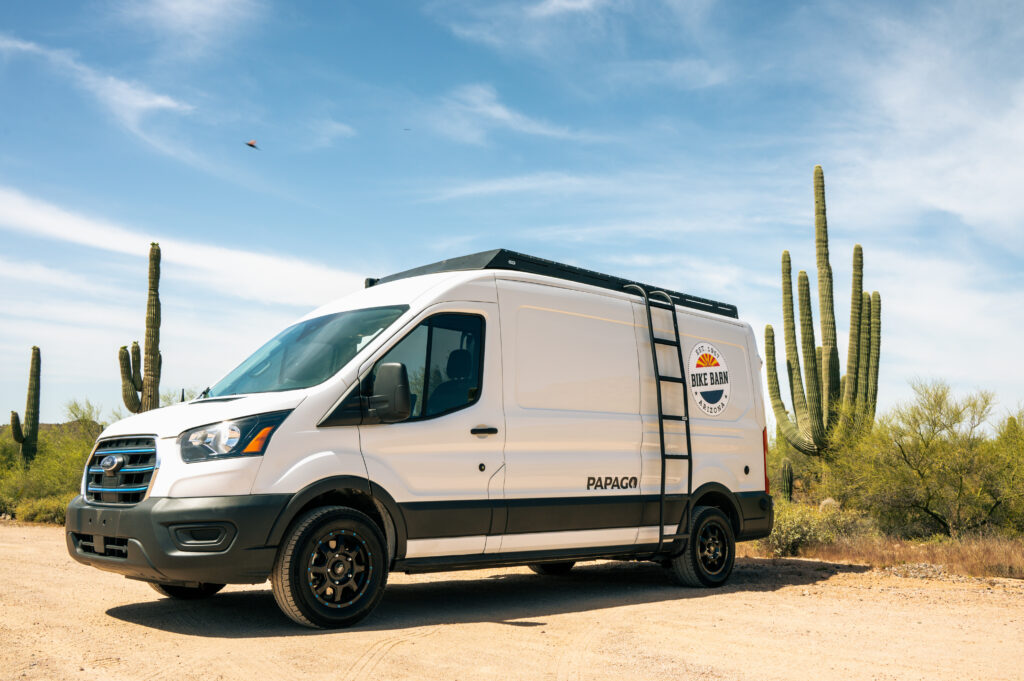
[{"x": 112, "y": 463}]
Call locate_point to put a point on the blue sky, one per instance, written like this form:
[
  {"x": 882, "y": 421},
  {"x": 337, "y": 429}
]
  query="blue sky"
[{"x": 668, "y": 141}]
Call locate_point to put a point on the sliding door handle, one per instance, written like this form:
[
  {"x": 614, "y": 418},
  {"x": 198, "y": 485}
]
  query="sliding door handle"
[{"x": 483, "y": 431}]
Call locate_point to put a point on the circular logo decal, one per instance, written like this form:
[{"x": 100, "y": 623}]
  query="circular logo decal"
[{"x": 709, "y": 378}]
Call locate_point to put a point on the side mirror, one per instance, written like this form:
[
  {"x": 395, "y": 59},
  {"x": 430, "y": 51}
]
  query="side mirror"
[{"x": 391, "y": 401}]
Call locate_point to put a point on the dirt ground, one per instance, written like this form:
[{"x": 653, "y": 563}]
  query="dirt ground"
[{"x": 790, "y": 619}]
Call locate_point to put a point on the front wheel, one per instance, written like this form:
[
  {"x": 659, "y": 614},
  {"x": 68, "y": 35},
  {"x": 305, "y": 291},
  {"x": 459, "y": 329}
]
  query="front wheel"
[
  {"x": 331, "y": 569},
  {"x": 186, "y": 593},
  {"x": 710, "y": 551}
]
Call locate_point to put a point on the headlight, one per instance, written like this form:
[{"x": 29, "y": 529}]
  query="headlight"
[{"x": 242, "y": 437}]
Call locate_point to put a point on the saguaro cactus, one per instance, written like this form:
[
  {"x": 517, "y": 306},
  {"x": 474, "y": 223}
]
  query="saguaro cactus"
[
  {"x": 824, "y": 402},
  {"x": 786, "y": 479},
  {"x": 140, "y": 386},
  {"x": 28, "y": 436}
]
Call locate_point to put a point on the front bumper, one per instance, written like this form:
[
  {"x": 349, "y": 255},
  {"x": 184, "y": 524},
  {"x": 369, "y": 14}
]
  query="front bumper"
[{"x": 219, "y": 540}]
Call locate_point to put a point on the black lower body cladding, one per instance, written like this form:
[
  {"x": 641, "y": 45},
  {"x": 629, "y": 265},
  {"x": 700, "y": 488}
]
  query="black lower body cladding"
[
  {"x": 757, "y": 515},
  {"x": 178, "y": 540}
]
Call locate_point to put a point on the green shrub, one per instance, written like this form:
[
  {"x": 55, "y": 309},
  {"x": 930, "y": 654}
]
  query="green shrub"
[
  {"x": 801, "y": 525},
  {"x": 45, "y": 510}
]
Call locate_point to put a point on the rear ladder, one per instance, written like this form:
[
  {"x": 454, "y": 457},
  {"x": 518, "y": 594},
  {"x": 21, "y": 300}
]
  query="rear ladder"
[{"x": 676, "y": 342}]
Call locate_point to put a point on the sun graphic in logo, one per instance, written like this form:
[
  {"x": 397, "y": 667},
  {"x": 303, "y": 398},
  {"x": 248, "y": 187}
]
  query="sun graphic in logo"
[{"x": 707, "y": 360}]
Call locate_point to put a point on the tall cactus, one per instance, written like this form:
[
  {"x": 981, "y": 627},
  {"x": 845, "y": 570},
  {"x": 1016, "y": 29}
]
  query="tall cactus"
[
  {"x": 786, "y": 480},
  {"x": 825, "y": 403},
  {"x": 28, "y": 436},
  {"x": 140, "y": 386}
]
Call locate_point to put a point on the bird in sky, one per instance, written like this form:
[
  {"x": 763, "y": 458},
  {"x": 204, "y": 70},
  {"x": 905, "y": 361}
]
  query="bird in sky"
[{"x": 252, "y": 143}]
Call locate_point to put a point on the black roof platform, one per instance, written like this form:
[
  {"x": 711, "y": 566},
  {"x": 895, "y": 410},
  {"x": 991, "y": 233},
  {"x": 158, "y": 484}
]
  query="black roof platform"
[{"x": 504, "y": 259}]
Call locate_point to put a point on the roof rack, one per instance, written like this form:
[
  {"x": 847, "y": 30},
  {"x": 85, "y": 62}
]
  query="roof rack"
[{"x": 504, "y": 259}]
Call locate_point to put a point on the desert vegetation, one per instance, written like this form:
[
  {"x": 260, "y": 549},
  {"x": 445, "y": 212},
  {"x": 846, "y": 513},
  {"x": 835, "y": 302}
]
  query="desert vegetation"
[{"x": 937, "y": 479}]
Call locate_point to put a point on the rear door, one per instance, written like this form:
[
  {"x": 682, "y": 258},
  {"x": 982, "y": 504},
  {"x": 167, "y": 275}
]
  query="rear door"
[{"x": 444, "y": 465}]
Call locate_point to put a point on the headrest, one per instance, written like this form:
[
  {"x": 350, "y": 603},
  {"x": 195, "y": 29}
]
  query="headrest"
[{"x": 459, "y": 362}]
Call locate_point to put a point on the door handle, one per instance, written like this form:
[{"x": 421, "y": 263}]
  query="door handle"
[{"x": 483, "y": 431}]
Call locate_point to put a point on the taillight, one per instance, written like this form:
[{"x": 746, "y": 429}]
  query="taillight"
[{"x": 764, "y": 437}]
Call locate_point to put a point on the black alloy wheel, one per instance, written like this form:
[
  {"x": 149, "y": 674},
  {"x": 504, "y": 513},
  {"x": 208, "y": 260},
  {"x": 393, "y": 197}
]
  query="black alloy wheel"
[
  {"x": 710, "y": 552},
  {"x": 331, "y": 569}
]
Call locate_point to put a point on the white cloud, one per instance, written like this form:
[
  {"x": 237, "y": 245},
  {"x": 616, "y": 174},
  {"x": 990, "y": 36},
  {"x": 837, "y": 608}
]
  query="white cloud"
[
  {"x": 469, "y": 113},
  {"x": 218, "y": 304},
  {"x": 549, "y": 8},
  {"x": 683, "y": 74},
  {"x": 241, "y": 274},
  {"x": 936, "y": 121},
  {"x": 192, "y": 28},
  {"x": 129, "y": 103},
  {"x": 326, "y": 131}
]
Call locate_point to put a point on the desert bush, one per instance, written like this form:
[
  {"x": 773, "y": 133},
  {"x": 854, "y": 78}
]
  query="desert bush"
[
  {"x": 931, "y": 466},
  {"x": 798, "y": 526},
  {"x": 45, "y": 510},
  {"x": 56, "y": 471}
]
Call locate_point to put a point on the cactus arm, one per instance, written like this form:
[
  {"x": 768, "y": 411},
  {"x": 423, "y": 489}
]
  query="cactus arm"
[
  {"x": 151, "y": 375},
  {"x": 828, "y": 365},
  {"x": 849, "y": 390},
  {"x": 812, "y": 379},
  {"x": 876, "y": 340},
  {"x": 129, "y": 394},
  {"x": 16, "y": 433},
  {"x": 792, "y": 356},
  {"x": 135, "y": 367},
  {"x": 783, "y": 423},
  {"x": 862, "y": 363},
  {"x": 853, "y": 351}
]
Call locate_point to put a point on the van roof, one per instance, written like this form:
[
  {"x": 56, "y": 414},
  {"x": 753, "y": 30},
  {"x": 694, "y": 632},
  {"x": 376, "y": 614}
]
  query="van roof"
[{"x": 504, "y": 259}]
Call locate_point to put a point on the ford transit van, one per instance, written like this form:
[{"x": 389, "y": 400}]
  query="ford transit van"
[{"x": 489, "y": 410}]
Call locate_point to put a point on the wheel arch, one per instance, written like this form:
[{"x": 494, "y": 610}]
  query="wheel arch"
[
  {"x": 351, "y": 491},
  {"x": 719, "y": 496}
]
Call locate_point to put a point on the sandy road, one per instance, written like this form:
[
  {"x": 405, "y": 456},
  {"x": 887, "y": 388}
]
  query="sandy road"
[{"x": 776, "y": 620}]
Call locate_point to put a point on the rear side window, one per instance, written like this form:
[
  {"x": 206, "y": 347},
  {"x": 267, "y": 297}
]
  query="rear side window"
[{"x": 444, "y": 358}]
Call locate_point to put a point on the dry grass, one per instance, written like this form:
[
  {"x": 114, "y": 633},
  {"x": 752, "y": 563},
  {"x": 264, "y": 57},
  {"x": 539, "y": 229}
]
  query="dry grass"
[{"x": 972, "y": 556}]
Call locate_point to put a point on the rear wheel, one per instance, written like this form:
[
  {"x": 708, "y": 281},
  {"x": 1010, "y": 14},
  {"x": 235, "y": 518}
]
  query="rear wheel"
[
  {"x": 552, "y": 569},
  {"x": 710, "y": 551},
  {"x": 186, "y": 593},
  {"x": 331, "y": 569}
]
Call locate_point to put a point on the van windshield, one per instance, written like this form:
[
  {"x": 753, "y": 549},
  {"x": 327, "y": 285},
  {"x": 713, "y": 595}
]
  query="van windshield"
[{"x": 307, "y": 353}]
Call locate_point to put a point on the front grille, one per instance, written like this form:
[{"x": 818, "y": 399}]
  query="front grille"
[
  {"x": 128, "y": 484},
  {"x": 98, "y": 545}
]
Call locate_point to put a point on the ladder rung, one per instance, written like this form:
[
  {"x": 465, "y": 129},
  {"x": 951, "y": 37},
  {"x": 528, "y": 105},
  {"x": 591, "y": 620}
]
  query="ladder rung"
[
  {"x": 666, "y": 341},
  {"x": 672, "y": 417},
  {"x": 660, "y": 304},
  {"x": 676, "y": 456},
  {"x": 671, "y": 379}
]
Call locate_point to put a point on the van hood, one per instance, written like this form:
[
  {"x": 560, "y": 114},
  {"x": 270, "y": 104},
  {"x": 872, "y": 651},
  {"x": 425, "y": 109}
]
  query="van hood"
[{"x": 173, "y": 420}]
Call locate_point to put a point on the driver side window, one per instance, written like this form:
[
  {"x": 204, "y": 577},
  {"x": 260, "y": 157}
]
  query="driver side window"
[{"x": 444, "y": 359}]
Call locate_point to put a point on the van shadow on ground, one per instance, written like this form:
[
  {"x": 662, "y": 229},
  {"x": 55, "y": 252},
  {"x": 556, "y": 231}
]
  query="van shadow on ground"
[{"x": 518, "y": 598}]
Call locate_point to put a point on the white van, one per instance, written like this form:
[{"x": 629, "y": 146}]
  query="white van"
[{"x": 495, "y": 409}]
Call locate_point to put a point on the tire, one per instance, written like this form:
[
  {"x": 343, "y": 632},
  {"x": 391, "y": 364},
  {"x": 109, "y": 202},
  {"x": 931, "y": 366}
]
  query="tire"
[
  {"x": 331, "y": 568},
  {"x": 552, "y": 569},
  {"x": 186, "y": 593},
  {"x": 710, "y": 552}
]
